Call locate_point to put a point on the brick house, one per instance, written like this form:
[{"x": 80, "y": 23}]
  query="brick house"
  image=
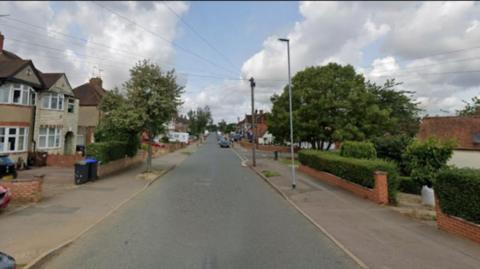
[
  {"x": 22, "y": 86},
  {"x": 90, "y": 95},
  {"x": 244, "y": 127},
  {"x": 464, "y": 130}
]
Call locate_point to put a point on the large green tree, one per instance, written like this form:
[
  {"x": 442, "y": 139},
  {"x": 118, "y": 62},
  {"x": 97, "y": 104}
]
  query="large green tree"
[
  {"x": 199, "y": 119},
  {"x": 471, "y": 108},
  {"x": 153, "y": 97},
  {"x": 334, "y": 103}
]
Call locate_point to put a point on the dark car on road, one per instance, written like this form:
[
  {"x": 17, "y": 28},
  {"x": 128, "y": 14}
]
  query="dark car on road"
[
  {"x": 7, "y": 262},
  {"x": 7, "y": 167},
  {"x": 224, "y": 143}
]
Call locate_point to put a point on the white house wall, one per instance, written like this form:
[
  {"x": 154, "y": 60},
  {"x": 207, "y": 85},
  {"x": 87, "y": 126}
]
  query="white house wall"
[{"x": 465, "y": 158}]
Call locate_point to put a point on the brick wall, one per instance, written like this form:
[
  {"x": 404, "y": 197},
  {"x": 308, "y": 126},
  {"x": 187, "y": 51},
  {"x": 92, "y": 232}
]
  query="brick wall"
[
  {"x": 63, "y": 160},
  {"x": 25, "y": 191},
  {"x": 378, "y": 194},
  {"x": 271, "y": 148},
  {"x": 457, "y": 226}
]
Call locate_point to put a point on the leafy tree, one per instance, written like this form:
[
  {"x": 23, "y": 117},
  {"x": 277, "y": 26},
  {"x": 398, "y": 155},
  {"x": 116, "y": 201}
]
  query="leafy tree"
[
  {"x": 153, "y": 97},
  {"x": 199, "y": 120},
  {"x": 334, "y": 103},
  {"x": 231, "y": 127},
  {"x": 222, "y": 126},
  {"x": 471, "y": 108}
]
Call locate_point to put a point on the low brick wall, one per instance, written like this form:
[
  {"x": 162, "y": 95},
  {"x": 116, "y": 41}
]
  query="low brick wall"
[
  {"x": 25, "y": 190},
  {"x": 120, "y": 165},
  {"x": 271, "y": 148},
  {"x": 176, "y": 146},
  {"x": 63, "y": 160},
  {"x": 457, "y": 226},
  {"x": 378, "y": 194}
]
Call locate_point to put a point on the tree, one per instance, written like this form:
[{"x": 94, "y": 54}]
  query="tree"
[
  {"x": 471, "y": 108},
  {"x": 153, "y": 97},
  {"x": 199, "y": 120},
  {"x": 222, "y": 126},
  {"x": 334, "y": 103}
]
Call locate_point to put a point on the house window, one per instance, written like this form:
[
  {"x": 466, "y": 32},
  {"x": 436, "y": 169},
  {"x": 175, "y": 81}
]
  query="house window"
[
  {"x": 53, "y": 100},
  {"x": 16, "y": 94},
  {"x": 49, "y": 138},
  {"x": 71, "y": 105},
  {"x": 13, "y": 139}
]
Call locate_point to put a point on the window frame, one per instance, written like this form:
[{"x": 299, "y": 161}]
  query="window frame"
[
  {"x": 50, "y": 97},
  {"x": 54, "y": 134},
  {"x": 5, "y": 147},
  {"x": 25, "y": 97}
]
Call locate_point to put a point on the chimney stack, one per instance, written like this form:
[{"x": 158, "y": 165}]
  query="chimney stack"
[
  {"x": 2, "y": 38},
  {"x": 96, "y": 81}
]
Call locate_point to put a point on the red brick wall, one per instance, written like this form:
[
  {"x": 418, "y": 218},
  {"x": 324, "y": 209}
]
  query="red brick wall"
[
  {"x": 120, "y": 164},
  {"x": 378, "y": 194},
  {"x": 271, "y": 148},
  {"x": 456, "y": 225},
  {"x": 63, "y": 160},
  {"x": 25, "y": 191}
]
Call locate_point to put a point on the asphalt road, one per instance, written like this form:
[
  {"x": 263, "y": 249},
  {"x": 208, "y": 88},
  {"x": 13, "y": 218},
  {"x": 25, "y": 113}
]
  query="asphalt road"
[{"x": 210, "y": 212}]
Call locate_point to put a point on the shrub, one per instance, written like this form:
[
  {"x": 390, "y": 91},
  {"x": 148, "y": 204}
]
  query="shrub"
[
  {"x": 107, "y": 151},
  {"x": 359, "y": 171},
  {"x": 165, "y": 139},
  {"x": 392, "y": 148},
  {"x": 361, "y": 150},
  {"x": 407, "y": 185},
  {"x": 132, "y": 139},
  {"x": 423, "y": 159},
  {"x": 458, "y": 191}
]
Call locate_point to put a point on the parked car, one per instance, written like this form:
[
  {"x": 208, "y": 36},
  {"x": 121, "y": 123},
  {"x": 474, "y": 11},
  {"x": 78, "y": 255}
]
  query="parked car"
[
  {"x": 7, "y": 167},
  {"x": 7, "y": 261},
  {"x": 224, "y": 143},
  {"x": 5, "y": 197}
]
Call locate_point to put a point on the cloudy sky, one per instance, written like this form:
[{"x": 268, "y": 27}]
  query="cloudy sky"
[{"x": 432, "y": 47}]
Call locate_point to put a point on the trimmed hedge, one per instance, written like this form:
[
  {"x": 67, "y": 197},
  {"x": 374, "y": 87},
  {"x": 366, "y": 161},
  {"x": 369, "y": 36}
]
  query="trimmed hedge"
[
  {"x": 107, "y": 151},
  {"x": 359, "y": 171},
  {"x": 360, "y": 150},
  {"x": 408, "y": 185},
  {"x": 458, "y": 191}
]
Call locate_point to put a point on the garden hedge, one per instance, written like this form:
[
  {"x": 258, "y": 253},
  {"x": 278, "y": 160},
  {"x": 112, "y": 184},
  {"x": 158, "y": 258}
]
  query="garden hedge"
[
  {"x": 408, "y": 185},
  {"x": 107, "y": 151},
  {"x": 359, "y": 171},
  {"x": 458, "y": 191},
  {"x": 361, "y": 150}
]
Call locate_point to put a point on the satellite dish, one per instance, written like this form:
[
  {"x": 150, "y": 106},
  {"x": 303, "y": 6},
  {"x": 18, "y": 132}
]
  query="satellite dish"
[{"x": 476, "y": 138}]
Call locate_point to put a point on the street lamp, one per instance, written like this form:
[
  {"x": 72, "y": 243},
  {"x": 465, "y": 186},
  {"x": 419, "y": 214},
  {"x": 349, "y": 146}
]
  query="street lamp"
[{"x": 294, "y": 181}]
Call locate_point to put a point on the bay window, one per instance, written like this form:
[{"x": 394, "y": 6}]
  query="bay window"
[
  {"x": 52, "y": 100},
  {"x": 14, "y": 93},
  {"x": 71, "y": 106},
  {"x": 13, "y": 139},
  {"x": 49, "y": 138}
]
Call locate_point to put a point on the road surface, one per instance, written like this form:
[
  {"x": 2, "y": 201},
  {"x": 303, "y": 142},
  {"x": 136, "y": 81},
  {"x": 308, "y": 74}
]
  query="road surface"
[{"x": 210, "y": 212}]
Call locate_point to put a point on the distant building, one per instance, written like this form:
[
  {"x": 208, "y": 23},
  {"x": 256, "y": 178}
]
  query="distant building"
[
  {"x": 464, "y": 130},
  {"x": 244, "y": 127},
  {"x": 90, "y": 95}
]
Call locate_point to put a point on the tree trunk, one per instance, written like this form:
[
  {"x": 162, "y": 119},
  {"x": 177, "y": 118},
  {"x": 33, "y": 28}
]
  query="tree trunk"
[
  {"x": 321, "y": 144},
  {"x": 149, "y": 156},
  {"x": 329, "y": 145}
]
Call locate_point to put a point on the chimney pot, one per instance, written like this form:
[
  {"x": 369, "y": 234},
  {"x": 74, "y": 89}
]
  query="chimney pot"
[
  {"x": 2, "y": 38},
  {"x": 96, "y": 81}
]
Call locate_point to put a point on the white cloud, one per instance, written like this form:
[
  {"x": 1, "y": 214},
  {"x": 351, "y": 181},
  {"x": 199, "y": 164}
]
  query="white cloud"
[{"x": 111, "y": 44}]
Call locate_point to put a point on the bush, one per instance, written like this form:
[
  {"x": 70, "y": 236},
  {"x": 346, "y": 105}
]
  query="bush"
[
  {"x": 132, "y": 139},
  {"x": 407, "y": 185},
  {"x": 392, "y": 148},
  {"x": 423, "y": 159},
  {"x": 165, "y": 139},
  {"x": 360, "y": 150},
  {"x": 107, "y": 151},
  {"x": 359, "y": 171},
  {"x": 458, "y": 191}
]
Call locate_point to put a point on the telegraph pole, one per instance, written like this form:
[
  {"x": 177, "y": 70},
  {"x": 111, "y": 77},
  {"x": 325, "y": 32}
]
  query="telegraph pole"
[{"x": 254, "y": 144}]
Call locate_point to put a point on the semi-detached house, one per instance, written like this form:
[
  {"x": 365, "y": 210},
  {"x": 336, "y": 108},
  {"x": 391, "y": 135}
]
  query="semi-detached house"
[{"x": 38, "y": 111}]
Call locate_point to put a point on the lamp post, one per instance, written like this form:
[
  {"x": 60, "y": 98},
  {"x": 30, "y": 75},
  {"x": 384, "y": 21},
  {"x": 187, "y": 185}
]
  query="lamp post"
[
  {"x": 294, "y": 181},
  {"x": 254, "y": 144}
]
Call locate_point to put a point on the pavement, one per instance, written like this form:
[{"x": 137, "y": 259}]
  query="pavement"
[
  {"x": 379, "y": 236},
  {"x": 209, "y": 212},
  {"x": 33, "y": 230}
]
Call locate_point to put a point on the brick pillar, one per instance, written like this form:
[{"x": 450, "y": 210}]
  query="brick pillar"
[{"x": 381, "y": 187}]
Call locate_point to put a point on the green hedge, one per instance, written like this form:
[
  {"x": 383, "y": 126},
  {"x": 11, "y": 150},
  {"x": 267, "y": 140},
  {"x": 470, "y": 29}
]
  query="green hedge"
[
  {"x": 458, "y": 191},
  {"x": 360, "y": 150},
  {"x": 107, "y": 151},
  {"x": 408, "y": 185},
  {"x": 359, "y": 171}
]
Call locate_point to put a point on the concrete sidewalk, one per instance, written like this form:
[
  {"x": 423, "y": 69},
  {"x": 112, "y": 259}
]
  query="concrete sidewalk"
[
  {"x": 377, "y": 235},
  {"x": 28, "y": 233}
]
